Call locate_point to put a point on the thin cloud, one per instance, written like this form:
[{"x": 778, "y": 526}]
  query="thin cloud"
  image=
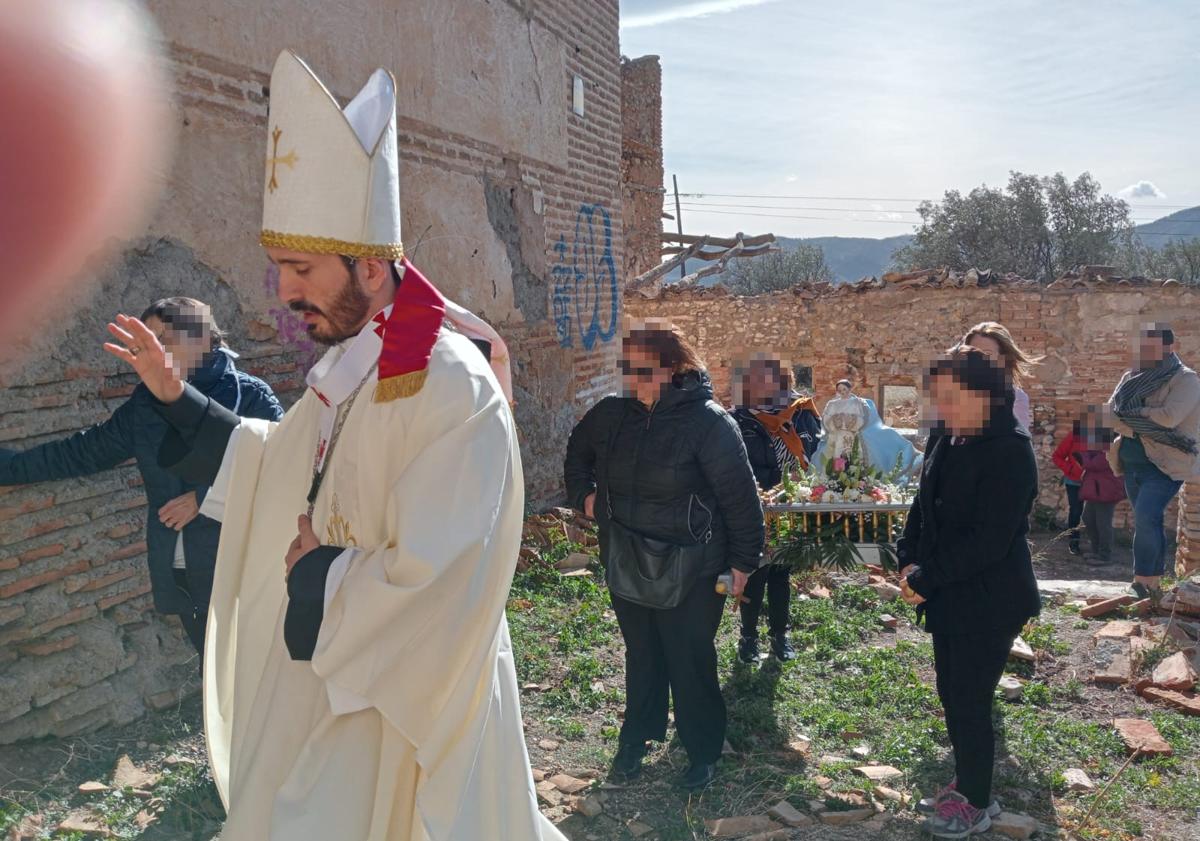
[
  {"x": 1142, "y": 190},
  {"x": 687, "y": 11}
]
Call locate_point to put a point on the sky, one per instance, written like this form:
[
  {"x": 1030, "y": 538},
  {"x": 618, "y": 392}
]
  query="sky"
[{"x": 834, "y": 119}]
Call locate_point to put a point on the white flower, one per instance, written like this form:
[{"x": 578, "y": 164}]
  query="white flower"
[
  {"x": 804, "y": 494},
  {"x": 831, "y": 496},
  {"x": 853, "y": 495}
]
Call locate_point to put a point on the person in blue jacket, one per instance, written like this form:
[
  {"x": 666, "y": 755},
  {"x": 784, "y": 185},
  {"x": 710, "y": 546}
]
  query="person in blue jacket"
[{"x": 181, "y": 542}]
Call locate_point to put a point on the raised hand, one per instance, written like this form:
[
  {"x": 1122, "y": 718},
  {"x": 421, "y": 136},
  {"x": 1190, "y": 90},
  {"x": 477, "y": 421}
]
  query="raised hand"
[{"x": 141, "y": 349}]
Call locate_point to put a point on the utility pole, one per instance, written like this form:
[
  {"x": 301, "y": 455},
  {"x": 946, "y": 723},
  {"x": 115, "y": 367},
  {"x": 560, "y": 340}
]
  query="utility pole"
[{"x": 679, "y": 222}]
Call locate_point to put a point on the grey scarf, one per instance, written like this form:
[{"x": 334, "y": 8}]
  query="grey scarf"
[{"x": 1130, "y": 399}]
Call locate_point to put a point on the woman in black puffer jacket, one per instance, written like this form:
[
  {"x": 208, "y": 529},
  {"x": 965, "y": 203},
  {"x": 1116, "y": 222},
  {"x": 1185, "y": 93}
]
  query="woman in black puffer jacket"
[{"x": 668, "y": 463}]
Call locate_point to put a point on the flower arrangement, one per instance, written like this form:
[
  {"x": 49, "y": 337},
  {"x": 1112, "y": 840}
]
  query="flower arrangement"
[{"x": 846, "y": 478}]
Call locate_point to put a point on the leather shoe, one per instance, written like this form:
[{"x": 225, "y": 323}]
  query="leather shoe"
[
  {"x": 698, "y": 776},
  {"x": 748, "y": 650},
  {"x": 782, "y": 649},
  {"x": 628, "y": 762}
]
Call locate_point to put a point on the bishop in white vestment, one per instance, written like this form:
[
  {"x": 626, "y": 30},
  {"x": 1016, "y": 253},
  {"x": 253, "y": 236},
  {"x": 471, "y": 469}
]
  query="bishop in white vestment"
[{"x": 371, "y": 695}]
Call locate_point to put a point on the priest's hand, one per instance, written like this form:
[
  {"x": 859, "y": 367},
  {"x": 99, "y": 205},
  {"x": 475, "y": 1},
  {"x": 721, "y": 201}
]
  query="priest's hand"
[
  {"x": 305, "y": 542},
  {"x": 138, "y": 346},
  {"x": 179, "y": 511}
]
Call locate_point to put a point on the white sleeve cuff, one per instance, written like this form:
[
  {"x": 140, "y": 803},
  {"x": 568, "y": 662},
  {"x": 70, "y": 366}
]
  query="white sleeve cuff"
[
  {"x": 341, "y": 701},
  {"x": 213, "y": 506}
]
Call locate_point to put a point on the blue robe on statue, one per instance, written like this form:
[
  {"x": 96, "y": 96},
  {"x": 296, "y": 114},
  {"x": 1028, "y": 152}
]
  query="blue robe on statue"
[{"x": 881, "y": 445}]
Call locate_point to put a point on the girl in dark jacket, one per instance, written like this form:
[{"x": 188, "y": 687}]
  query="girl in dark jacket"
[
  {"x": 1100, "y": 488},
  {"x": 667, "y": 463},
  {"x": 181, "y": 542},
  {"x": 966, "y": 564},
  {"x": 780, "y": 430}
]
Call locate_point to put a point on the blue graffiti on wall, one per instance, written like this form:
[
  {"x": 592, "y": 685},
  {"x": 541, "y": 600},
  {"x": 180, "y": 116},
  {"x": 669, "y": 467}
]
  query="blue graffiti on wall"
[
  {"x": 563, "y": 278},
  {"x": 587, "y": 288}
]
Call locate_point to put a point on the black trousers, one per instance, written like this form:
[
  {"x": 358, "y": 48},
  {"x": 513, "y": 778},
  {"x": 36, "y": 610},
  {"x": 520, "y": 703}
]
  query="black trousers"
[
  {"x": 194, "y": 622},
  {"x": 969, "y": 667},
  {"x": 1074, "y": 511},
  {"x": 773, "y": 581},
  {"x": 674, "y": 650}
]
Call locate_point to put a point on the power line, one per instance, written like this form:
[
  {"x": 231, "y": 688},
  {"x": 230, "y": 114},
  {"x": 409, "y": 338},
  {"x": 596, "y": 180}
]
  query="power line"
[
  {"x": 910, "y": 223},
  {"x": 893, "y": 199},
  {"x": 703, "y": 205}
]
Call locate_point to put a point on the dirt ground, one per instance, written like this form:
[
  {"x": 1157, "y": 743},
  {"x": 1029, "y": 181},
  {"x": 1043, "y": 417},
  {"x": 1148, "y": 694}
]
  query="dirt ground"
[{"x": 856, "y": 684}]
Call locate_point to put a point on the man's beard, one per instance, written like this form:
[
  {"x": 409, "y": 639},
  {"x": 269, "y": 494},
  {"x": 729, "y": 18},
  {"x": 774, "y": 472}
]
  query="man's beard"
[{"x": 345, "y": 316}]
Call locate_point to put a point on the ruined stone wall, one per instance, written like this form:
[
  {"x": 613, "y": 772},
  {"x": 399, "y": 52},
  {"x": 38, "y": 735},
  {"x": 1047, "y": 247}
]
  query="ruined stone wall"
[
  {"x": 642, "y": 162},
  {"x": 511, "y": 204},
  {"x": 878, "y": 337}
]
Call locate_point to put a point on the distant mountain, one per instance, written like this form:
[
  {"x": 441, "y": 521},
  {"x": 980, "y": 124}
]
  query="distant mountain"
[
  {"x": 1182, "y": 225},
  {"x": 850, "y": 258}
]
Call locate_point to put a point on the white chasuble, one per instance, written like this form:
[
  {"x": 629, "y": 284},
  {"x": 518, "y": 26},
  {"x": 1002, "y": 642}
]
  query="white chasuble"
[{"x": 406, "y": 725}]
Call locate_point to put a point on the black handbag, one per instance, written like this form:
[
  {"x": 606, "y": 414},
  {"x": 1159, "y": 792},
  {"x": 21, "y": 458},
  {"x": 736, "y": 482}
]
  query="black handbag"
[{"x": 644, "y": 570}]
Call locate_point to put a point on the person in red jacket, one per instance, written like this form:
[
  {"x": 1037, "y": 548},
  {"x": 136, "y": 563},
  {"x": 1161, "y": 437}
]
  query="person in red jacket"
[
  {"x": 1100, "y": 489},
  {"x": 1068, "y": 459}
]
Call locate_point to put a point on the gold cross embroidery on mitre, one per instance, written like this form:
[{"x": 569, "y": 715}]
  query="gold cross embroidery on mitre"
[
  {"x": 338, "y": 531},
  {"x": 289, "y": 160}
]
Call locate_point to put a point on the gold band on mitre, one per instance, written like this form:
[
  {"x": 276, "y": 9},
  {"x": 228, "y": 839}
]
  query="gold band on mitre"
[{"x": 329, "y": 245}]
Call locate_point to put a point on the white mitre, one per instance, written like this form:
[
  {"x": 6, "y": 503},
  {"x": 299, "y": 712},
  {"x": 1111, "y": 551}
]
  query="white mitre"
[{"x": 332, "y": 183}]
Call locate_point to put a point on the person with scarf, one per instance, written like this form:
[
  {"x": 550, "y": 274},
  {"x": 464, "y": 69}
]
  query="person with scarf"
[
  {"x": 181, "y": 542},
  {"x": 781, "y": 430},
  {"x": 1156, "y": 410}
]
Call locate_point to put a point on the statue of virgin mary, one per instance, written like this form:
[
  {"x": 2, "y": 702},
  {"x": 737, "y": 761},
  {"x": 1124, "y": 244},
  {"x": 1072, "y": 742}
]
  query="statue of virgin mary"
[{"x": 848, "y": 417}]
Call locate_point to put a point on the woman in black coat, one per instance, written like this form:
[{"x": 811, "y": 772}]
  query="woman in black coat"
[
  {"x": 667, "y": 463},
  {"x": 966, "y": 565},
  {"x": 181, "y": 542}
]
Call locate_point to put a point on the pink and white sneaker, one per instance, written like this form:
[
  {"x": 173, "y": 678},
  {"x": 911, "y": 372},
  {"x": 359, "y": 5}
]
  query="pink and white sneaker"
[
  {"x": 955, "y": 817},
  {"x": 928, "y": 805}
]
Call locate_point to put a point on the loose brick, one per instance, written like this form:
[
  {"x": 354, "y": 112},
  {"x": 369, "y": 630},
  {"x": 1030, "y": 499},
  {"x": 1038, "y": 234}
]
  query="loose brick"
[
  {"x": 1142, "y": 736},
  {"x": 1107, "y": 606},
  {"x": 1188, "y": 702}
]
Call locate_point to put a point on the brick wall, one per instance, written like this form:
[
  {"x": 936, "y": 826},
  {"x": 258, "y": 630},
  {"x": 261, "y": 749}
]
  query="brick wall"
[
  {"x": 512, "y": 204},
  {"x": 879, "y": 336},
  {"x": 642, "y": 162}
]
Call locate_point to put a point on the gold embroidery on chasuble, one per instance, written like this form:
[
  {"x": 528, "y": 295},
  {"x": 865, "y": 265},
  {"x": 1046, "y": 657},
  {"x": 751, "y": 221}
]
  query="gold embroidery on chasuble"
[{"x": 338, "y": 531}]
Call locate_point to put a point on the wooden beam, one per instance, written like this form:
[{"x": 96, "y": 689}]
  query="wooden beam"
[
  {"x": 650, "y": 282},
  {"x": 719, "y": 266},
  {"x": 709, "y": 256},
  {"x": 726, "y": 242}
]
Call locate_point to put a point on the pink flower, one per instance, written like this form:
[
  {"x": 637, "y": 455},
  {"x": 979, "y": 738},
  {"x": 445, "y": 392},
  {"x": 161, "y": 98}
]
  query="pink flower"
[
  {"x": 819, "y": 491},
  {"x": 839, "y": 464}
]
